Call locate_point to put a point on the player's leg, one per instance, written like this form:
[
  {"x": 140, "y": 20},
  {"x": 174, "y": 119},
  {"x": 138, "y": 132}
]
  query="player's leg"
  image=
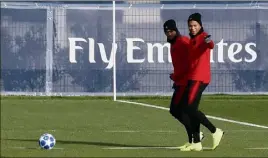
[
  {"x": 177, "y": 112},
  {"x": 177, "y": 109},
  {"x": 197, "y": 101},
  {"x": 188, "y": 126},
  {"x": 174, "y": 101},
  {"x": 186, "y": 119},
  {"x": 217, "y": 133},
  {"x": 194, "y": 101},
  {"x": 191, "y": 109},
  {"x": 196, "y": 89}
]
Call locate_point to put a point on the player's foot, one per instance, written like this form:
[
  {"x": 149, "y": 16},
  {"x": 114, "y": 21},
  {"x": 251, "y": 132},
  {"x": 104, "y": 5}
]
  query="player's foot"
[
  {"x": 217, "y": 136},
  {"x": 193, "y": 147},
  {"x": 188, "y": 144},
  {"x": 184, "y": 146}
]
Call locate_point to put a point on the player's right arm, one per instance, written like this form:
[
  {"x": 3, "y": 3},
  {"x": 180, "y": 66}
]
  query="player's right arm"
[{"x": 184, "y": 51}]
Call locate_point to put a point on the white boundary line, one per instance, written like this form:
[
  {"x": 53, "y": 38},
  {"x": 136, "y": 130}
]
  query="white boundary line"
[
  {"x": 261, "y": 148},
  {"x": 138, "y": 148},
  {"x": 33, "y": 130},
  {"x": 212, "y": 117},
  {"x": 142, "y": 131},
  {"x": 148, "y": 147},
  {"x": 162, "y": 131}
]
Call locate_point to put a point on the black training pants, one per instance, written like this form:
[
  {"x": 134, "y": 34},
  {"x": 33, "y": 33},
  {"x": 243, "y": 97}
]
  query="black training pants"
[
  {"x": 176, "y": 109},
  {"x": 193, "y": 93}
]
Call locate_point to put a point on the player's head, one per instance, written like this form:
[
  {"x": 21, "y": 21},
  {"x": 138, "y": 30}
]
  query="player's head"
[
  {"x": 195, "y": 24},
  {"x": 170, "y": 29}
]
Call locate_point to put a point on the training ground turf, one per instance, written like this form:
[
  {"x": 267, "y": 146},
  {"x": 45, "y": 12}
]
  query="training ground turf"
[{"x": 100, "y": 127}]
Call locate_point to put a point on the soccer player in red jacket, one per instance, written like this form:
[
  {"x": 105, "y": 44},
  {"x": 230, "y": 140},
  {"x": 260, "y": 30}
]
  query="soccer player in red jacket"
[
  {"x": 179, "y": 55},
  {"x": 199, "y": 78}
]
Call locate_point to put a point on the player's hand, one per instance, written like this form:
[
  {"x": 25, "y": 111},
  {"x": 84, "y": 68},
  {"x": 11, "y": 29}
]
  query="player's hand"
[
  {"x": 174, "y": 86},
  {"x": 171, "y": 76},
  {"x": 208, "y": 39}
]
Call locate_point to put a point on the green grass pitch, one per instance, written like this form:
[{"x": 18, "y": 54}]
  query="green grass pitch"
[{"x": 100, "y": 127}]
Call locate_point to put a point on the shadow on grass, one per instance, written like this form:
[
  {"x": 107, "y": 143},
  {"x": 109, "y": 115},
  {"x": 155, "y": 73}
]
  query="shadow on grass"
[{"x": 103, "y": 144}]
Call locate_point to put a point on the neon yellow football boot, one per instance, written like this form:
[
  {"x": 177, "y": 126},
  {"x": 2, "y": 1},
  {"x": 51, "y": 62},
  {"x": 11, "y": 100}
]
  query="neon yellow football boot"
[
  {"x": 184, "y": 146},
  {"x": 217, "y": 137},
  {"x": 188, "y": 144},
  {"x": 193, "y": 147}
]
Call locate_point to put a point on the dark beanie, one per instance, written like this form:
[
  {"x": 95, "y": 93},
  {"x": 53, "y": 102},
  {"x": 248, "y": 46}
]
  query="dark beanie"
[
  {"x": 195, "y": 17},
  {"x": 170, "y": 25}
]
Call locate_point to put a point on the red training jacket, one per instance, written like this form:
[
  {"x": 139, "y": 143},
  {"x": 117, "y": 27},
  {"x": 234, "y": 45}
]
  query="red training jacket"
[
  {"x": 179, "y": 55},
  {"x": 200, "y": 58}
]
